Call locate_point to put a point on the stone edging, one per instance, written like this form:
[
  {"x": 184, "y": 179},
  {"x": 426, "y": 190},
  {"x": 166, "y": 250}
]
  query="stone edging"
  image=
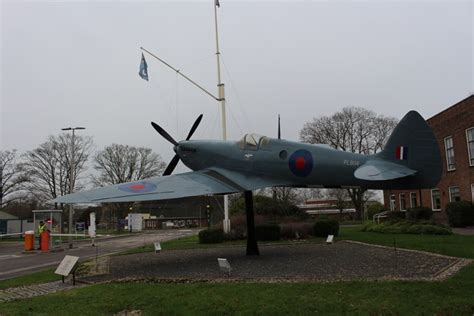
[{"x": 445, "y": 273}]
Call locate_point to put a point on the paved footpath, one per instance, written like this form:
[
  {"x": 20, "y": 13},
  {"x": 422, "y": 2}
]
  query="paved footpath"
[
  {"x": 22, "y": 292},
  {"x": 13, "y": 262}
]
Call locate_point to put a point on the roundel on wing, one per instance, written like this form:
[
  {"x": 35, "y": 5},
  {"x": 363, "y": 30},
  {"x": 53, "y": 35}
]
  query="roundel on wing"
[
  {"x": 138, "y": 187},
  {"x": 301, "y": 163}
]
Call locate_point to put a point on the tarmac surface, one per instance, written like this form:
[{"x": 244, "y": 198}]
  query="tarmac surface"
[
  {"x": 13, "y": 262},
  {"x": 296, "y": 262}
]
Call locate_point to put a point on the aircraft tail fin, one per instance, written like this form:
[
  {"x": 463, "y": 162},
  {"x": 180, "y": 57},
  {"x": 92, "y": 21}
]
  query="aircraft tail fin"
[{"x": 413, "y": 145}]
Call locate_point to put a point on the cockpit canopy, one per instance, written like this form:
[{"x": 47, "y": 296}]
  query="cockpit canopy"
[{"x": 254, "y": 141}]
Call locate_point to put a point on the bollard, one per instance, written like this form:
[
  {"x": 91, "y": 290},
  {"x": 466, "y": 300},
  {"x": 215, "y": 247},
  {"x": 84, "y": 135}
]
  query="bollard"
[
  {"x": 29, "y": 240},
  {"x": 45, "y": 241}
]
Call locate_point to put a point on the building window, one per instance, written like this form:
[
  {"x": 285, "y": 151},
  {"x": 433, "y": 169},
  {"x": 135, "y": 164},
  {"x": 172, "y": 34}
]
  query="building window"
[
  {"x": 472, "y": 192},
  {"x": 470, "y": 145},
  {"x": 403, "y": 204},
  {"x": 392, "y": 202},
  {"x": 454, "y": 195},
  {"x": 448, "y": 145},
  {"x": 413, "y": 202},
  {"x": 435, "y": 200}
]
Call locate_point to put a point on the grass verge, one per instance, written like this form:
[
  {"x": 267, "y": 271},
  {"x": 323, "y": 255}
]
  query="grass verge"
[{"x": 451, "y": 297}]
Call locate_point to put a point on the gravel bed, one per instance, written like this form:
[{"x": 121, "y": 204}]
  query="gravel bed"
[{"x": 297, "y": 262}]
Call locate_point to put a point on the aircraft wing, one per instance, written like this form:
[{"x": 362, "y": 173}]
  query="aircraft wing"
[
  {"x": 194, "y": 183},
  {"x": 380, "y": 170}
]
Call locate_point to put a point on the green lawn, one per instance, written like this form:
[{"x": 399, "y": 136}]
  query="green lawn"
[
  {"x": 451, "y": 245},
  {"x": 34, "y": 278},
  {"x": 451, "y": 297}
]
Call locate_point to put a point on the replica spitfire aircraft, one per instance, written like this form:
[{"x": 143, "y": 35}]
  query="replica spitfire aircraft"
[{"x": 410, "y": 159}]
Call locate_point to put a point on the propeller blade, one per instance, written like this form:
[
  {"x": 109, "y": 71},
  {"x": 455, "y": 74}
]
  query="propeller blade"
[
  {"x": 163, "y": 133},
  {"x": 169, "y": 169},
  {"x": 195, "y": 125}
]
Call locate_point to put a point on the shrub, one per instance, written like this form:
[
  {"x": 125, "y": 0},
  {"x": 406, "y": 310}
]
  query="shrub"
[
  {"x": 373, "y": 209},
  {"x": 296, "y": 230},
  {"x": 419, "y": 213},
  {"x": 460, "y": 214},
  {"x": 267, "y": 232},
  {"x": 428, "y": 230},
  {"x": 407, "y": 228},
  {"x": 322, "y": 228},
  {"x": 211, "y": 236},
  {"x": 396, "y": 216}
]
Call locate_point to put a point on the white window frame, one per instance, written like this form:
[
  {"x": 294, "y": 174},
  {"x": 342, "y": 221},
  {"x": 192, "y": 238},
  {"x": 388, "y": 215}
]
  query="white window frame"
[
  {"x": 392, "y": 207},
  {"x": 432, "y": 201},
  {"x": 446, "y": 153},
  {"x": 411, "y": 200},
  {"x": 468, "y": 151},
  {"x": 400, "y": 202},
  {"x": 449, "y": 192}
]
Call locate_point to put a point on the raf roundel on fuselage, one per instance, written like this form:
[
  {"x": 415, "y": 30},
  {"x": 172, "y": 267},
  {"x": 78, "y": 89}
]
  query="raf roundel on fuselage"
[{"x": 301, "y": 163}]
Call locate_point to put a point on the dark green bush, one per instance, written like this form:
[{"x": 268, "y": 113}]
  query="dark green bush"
[
  {"x": 211, "y": 236},
  {"x": 396, "y": 216},
  {"x": 267, "y": 232},
  {"x": 373, "y": 209},
  {"x": 460, "y": 214},
  {"x": 419, "y": 213},
  {"x": 407, "y": 228},
  {"x": 428, "y": 230},
  {"x": 322, "y": 228}
]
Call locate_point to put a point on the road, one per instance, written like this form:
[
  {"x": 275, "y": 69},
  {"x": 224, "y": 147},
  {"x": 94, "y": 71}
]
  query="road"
[{"x": 13, "y": 262}]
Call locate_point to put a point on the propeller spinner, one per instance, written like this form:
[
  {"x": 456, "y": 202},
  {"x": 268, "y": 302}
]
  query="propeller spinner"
[{"x": 172, "y": 165}]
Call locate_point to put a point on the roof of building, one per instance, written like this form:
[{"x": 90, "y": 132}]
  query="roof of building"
[
  {"x": 5, "y": 215},
  {"x": 468, "y": 99}
]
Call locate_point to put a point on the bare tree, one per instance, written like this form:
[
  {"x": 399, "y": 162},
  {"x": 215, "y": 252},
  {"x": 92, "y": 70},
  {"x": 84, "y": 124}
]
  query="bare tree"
[
  {"x": 49, "y": 166},
  {"x": 12, "y": 177},
  {"x": 123, "y": 163},
  {"x": 354, "y": 129},
  {"x": 340, "y": 196}
]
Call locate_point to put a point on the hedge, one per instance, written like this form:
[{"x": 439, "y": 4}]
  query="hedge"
[
  {"x": 419, "y": 213},
  {"x": 460, "y": 214},
  {"x": 266, "y": 232},
  {"x": 323, "y": 228},
  {"x": 211, "y": 236}
]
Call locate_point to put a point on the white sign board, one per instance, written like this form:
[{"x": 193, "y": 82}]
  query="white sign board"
[
  {"x": 92, "y": 232},
  {"x": 224, "y": 265},
  {"x": 157, "y": 247},
  {"x": 135, "y": 222},
  {"x": 67, "y": 266},
  {"x": 330, "y": 239}
]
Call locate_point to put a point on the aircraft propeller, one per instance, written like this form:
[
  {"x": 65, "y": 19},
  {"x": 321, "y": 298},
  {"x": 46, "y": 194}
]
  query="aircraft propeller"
[{"x": 172, "y": 165}]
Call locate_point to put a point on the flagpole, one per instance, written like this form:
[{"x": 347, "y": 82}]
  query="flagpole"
[
  {"x": 221, "y": 92},
  {"x": 180, "y": 73}
]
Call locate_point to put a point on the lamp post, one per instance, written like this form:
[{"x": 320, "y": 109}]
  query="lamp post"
[{"x": 71, "y": 179}]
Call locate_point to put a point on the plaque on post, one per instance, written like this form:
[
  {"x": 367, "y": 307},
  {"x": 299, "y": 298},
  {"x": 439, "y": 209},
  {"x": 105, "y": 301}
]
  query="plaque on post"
[
  {"x": 157, "y": 247},
  {"x": 224, "y": 265},
  {"x": 67, "y": 266}
]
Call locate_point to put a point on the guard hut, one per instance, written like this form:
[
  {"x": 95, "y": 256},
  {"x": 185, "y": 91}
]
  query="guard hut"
[{"x": 53, "y": 220}]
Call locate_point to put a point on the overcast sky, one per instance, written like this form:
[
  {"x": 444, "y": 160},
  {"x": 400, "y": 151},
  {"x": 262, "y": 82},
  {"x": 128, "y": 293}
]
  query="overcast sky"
[{"x": 76, "y": 64}]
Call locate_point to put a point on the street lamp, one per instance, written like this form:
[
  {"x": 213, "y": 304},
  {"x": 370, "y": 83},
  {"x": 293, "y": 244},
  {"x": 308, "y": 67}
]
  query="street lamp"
[{"x": 71, "y": 179}]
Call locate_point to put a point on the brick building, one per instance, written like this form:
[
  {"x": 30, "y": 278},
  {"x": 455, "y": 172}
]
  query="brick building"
[{"x": 454, "y": 130}]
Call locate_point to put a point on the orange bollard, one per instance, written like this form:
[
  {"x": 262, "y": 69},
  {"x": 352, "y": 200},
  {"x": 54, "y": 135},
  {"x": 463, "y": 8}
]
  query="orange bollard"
[
  {"x": 45, "y": 241},
  {"x": 29, "y": 241}
]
